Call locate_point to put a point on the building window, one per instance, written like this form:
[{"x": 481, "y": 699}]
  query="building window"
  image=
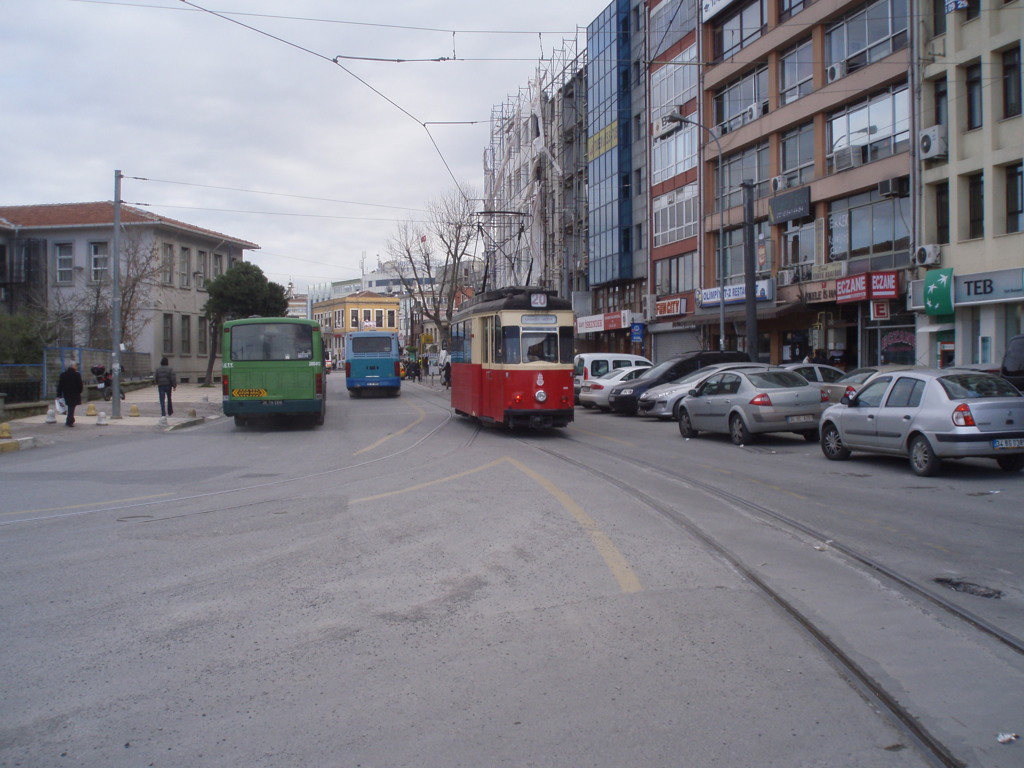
[
  {"x": 218, "y": 265},
  {"x": 65, "y": 262},
  {"x": 186, "y": 335},
  {"x": 202, "y": 337},
  {"x": 869, "y": 130},
  {"x": 1015, "y": 198},
  {"x": 751, "y": 165},
  {"x": 676, "y": 215},
  {"x": 734, "y": 268},
  {"x": 740, "y": 29},
  {"x": 798, "y": 246},
  {"x": 675, "y": 83},
  {"x": 868, "y": 35},
  {"x": 797, "y": 155},
  {"x": 796, "y": 72},
  {"x": 391, "y": 318},
  {"x": 99, "y": 261},
  {"x": 675, "y": 274},
  {"x": 789, "y": 8},
  {"x": 167, "y": 264},
  {"x": 941, "y": 97},
  {"x": 379, "y": 318},
  {"x": 972, "y": 82},
  {"x": 942, "y": 212},
  {"x": 671, "y": 21},
  {"x": 354, "y": 319},
  {"x": 938, "y": 17},
  {"x": 975, "y": 206},
  {"x": 973, "y": 10},
  {"x": 1011, "y": 82},
  {"x": 367, "y": 317},
  {"x": 185, "y": 267},
  {"x": 870, "y": 226},
  {"x": 742, "y": 100},
  {"x": 202, "y": 257},
  {"x": 168, "y": 334},
  {"x": 675, "y": 153}
]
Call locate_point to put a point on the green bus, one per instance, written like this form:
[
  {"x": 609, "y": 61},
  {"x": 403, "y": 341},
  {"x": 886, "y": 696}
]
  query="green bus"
[{"x": 273, "y": 366}]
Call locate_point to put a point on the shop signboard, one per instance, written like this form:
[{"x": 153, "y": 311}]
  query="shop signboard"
[
  {"x": 868, "y": 285},
  {"x": 853, "y": 288},
  {"x": 669, "y": 307},
  {"x": 736, "y": 294},
  {"x": 789, "y": 206}
]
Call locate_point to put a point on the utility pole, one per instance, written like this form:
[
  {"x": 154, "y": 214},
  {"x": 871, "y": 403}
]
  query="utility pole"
[
  {"x": 115, "y": 300},
  {"x": 749, "y": 268}
]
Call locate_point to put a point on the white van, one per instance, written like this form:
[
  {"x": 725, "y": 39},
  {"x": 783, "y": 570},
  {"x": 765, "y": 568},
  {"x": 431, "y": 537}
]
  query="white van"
[{"x": 592, "y": 365}]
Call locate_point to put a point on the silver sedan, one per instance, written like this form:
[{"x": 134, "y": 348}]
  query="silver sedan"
[
  {"x": 744, "y": 403},
  {"x": 662, "y": 402},
  {"x": 929, "y": 415}
]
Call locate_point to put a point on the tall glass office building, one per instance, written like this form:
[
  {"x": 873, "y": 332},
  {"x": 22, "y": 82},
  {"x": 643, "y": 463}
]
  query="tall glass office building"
[{"x": 609, "y": 151}]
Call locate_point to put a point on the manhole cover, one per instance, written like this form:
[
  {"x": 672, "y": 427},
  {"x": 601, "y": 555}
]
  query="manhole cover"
[{"x": 969, "y": 588}]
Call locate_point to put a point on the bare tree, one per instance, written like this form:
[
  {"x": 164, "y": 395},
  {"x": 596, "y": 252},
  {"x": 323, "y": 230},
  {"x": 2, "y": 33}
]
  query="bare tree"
[{"x": 431, "y": 258}]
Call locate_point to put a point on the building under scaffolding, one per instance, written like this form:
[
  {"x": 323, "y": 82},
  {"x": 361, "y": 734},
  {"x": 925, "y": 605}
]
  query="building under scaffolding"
[{"x": 534, "y": 221}]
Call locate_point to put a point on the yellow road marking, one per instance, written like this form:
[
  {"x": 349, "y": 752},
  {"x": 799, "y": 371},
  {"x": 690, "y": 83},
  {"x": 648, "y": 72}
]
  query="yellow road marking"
[
  {"x": 403, "y": 430},
  {"x": 613, "y": 558},
  {"x": 90, "y": 504}
]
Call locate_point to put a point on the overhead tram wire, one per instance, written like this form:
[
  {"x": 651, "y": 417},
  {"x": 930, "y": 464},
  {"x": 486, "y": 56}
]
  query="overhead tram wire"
[
  {"x": 349, "y": 72},
  {"x": 257, "y": 213}
]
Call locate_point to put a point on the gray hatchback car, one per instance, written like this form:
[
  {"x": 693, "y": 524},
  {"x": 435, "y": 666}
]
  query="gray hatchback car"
[{"x": 929, "y": 415}]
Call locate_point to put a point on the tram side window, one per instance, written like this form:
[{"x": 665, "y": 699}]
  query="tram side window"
[
  {"x": 566, "y": 339},
  {"x": 510, "y": 349},
  {"x": 458, "y": 336}
]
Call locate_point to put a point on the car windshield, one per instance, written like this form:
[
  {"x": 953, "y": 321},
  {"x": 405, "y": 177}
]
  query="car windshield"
[
  {"x": 963, "y": 385},
  {"x": 777, "y": 380},
  {"x": 658, "y": 370},
  {"x": 856, "y": 377}
]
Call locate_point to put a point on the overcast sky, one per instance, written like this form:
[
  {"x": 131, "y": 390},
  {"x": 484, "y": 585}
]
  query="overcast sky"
[{"x": 200, "y": 106}]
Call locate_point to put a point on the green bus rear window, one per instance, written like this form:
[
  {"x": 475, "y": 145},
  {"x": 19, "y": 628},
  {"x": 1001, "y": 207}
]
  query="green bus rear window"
[{"x": 272, "y": 341}]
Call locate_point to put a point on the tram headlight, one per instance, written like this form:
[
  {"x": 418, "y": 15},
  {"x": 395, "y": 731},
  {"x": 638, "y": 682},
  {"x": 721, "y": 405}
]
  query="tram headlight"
[{"x": 541, "y": 395}]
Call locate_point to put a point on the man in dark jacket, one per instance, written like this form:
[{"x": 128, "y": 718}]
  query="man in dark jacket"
[
  {"x": 166, "y": 380},
  {"x": 70, "y": 386}
]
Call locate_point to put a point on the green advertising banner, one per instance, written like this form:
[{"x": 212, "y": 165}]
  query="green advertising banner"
[{"x": 938, "y": 292}]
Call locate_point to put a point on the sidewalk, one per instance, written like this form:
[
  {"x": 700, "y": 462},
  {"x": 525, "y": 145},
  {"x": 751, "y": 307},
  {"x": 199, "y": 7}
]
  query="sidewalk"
[{"x": 193, "y": 404}]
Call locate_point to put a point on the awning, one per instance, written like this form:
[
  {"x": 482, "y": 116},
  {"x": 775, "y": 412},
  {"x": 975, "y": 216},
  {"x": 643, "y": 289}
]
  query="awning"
[
  {"x": 738, "y": 313},
  {"x": 936, "y": 328}
]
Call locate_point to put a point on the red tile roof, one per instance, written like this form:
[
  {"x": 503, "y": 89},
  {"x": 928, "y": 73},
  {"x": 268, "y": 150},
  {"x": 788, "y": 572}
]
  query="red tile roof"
[{"x": 95, "y": 214}]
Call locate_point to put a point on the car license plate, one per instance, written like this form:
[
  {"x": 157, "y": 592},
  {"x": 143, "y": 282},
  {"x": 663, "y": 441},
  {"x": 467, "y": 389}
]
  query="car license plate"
[
  {"x": 802, "y": 419},
  {"x": 1009, "y": 442}
]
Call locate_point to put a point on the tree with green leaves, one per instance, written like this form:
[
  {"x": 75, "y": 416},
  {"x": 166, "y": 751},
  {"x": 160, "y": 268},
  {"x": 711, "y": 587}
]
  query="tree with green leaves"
[{"x": 242, "y": 291}]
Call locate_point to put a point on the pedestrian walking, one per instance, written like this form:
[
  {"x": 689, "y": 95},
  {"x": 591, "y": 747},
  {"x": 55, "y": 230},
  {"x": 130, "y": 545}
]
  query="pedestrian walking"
[
  {"x": 69, "y": 387},
  {"x": 447, "y": 374},
  {"x": 166, "y": 380}
]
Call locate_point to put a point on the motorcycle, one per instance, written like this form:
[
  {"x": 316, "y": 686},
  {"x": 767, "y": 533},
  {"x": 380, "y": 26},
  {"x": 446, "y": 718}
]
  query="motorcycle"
[{"x": 105, "y": 381}]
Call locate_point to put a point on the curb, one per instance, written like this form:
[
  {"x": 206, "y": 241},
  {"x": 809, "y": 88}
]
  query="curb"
[{"x": 17, "y": 444}]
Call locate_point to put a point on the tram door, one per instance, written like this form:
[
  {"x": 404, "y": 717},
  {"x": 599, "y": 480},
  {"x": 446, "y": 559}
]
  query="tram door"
[{"x": 488, "y": 395}]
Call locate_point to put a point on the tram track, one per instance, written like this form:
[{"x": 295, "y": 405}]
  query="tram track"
[{"x": 901, "y": 717}]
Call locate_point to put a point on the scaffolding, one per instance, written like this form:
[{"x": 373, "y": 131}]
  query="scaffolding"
[{"x": 534, "y": 220}]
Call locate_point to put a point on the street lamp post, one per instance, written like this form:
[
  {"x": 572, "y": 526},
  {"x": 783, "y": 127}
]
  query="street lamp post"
[{"x": 720, "y": 260}]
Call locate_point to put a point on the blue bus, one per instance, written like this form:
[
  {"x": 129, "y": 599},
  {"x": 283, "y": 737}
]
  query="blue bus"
[{"x": 372, "y": 362}]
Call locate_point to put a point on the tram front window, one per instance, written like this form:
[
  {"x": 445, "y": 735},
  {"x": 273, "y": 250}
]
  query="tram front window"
[
  {"x": 540, "y": 346},
  {"x": 510, "y": 350}
]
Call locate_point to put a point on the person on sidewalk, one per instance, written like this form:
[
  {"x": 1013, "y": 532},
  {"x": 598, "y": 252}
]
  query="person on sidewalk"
[
  {"x": 166, "y": 380},
  {"x": 69, "y": 387}
]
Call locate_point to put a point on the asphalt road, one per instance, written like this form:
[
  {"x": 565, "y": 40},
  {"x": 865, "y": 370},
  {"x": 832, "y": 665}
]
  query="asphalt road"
[{"x": 402, "y": 588}]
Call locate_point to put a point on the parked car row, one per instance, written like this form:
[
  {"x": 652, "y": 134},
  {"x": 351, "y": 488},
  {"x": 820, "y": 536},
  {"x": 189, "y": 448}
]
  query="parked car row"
[{"x": 926, "y": 415}]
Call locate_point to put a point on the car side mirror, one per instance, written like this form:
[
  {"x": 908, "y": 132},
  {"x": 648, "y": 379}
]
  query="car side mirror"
[
  {"x": 845, "y": 400},
  {"x": 692, "y": 393}
]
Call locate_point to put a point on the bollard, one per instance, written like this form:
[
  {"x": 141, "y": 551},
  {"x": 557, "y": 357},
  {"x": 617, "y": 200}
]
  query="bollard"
[
  {"x": 51, "y": 417},
  {"x": 101, "y": 419},
  {"x": 91, "y": 410},
  {"x": 134, "y": 410},
  {"x": 5, "y": 431}
]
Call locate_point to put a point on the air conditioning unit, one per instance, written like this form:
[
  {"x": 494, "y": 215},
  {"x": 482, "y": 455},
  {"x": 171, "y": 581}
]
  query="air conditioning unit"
[
  {"x": 848, "y": 157},
  {"x": 785, "y": 277},
  {"x": 931, "y": 142},
  {"x": 897, "y": 187},
  {"x": 836, "y": 71},
  {"x": 779, "y": 183},
  {"x": 752, "y": 112},
  {"x": 650, "y": 306},
  {"x": 927, "y": 255}
]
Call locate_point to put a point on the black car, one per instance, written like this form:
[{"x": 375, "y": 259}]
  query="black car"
[
  {"x": 625, "y": 397},
  {"x": 1012, "y": 368}
]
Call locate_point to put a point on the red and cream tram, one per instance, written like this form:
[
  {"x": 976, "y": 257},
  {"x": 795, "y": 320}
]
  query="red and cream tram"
[{"x": 511, "y": 355}]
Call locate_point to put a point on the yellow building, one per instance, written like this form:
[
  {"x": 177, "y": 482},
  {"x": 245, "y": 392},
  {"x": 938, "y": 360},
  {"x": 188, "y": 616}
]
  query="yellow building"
[{"x": 365, "y": 310}]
